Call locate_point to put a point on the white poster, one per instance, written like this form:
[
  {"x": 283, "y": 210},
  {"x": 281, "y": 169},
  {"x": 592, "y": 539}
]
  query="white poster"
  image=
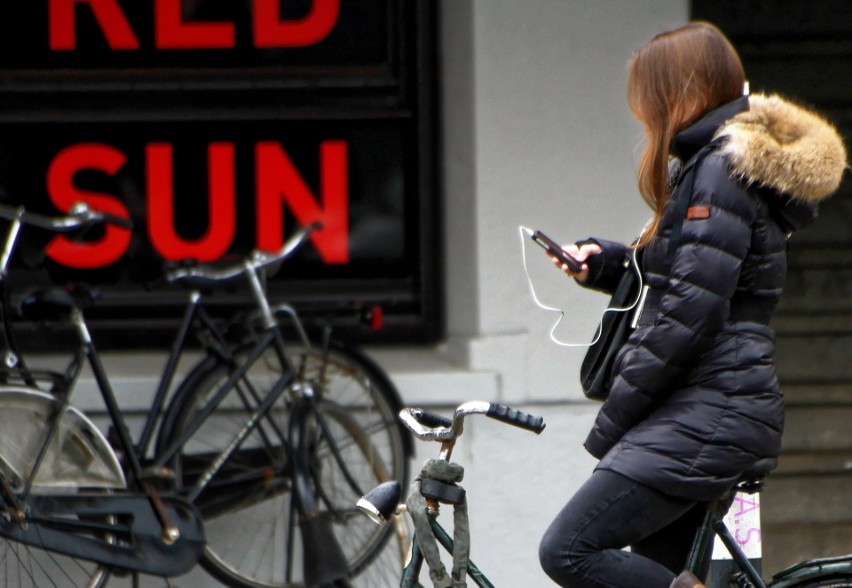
[{"x": 743, "y": 521}]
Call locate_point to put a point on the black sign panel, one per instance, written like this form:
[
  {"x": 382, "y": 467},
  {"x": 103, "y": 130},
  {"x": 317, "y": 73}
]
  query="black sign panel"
[
  {"x": 204, "y": 190},
  {"x": 219, "y": 126}
]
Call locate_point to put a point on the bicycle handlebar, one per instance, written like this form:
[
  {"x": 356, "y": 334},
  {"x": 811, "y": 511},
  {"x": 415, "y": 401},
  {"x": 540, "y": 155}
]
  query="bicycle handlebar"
[
  {"x": 431, "y": 427},
  {"x": 79, "y": 216},
  {"x": 255, "y": 262}
]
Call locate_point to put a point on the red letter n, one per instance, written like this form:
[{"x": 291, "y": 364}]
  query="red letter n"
[
  {"x": 278, "y": 181},
  {"x": 62, "y": 24}
]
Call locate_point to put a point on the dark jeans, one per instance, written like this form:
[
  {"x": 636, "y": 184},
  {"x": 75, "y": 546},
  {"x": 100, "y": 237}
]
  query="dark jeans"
[{"x": 583, "y": 547}]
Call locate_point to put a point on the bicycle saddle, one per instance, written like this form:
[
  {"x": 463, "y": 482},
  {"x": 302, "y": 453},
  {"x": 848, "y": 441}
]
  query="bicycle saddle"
[
  {"x": 55, "y": 304},
  {"x": 203, "y": 276},
  {"x": 752, "y": 478}
]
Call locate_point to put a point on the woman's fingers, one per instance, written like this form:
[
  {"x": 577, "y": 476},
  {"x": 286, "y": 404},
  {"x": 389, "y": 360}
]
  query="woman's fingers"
[
  {"x": 587, "y": 250},
  {"x": 581, "y": 254},
  {"x": 574, "y": 252}
]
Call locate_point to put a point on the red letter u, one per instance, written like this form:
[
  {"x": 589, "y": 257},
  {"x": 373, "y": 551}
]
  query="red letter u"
[{"x": 221, "y": 205}]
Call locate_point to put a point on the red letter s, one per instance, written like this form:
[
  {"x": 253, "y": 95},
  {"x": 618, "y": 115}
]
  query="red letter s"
[{"x": 63, "y": 194}]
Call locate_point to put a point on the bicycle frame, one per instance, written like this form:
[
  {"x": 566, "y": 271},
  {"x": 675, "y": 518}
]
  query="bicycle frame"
[
  {"x": 164, "y": 514},
  {"x": 748, "y": 576},
  {"x": 411, "y": 573},
  {"x": 271, "y": 338},
  {"x": 216, "y": 343}
]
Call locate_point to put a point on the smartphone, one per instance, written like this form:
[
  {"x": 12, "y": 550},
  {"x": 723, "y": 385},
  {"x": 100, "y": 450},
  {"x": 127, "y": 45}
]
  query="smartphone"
[{"x": 554, "y": 249}]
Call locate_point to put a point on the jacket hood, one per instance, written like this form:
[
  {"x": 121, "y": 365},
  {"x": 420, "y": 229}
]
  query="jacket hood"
[{"x": 782, "y": 146}]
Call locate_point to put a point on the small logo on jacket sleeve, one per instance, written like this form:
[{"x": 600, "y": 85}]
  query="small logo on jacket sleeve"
[{"x": 697, "y": 212}]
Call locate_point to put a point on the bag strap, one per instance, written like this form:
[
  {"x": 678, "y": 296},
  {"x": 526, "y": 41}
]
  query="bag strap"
[{"x": 682, "y": 204}]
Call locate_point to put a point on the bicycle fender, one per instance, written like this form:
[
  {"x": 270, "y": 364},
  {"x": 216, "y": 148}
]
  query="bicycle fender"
[
  {"x": 813, "y": 570},
  {"x": 78, "y": 455}
]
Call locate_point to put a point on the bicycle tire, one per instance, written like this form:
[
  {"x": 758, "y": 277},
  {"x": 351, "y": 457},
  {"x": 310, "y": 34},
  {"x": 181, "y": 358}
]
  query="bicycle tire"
[
  {"x": 842, "y": 580},
  {"x": 23, "y": 565},
  {"x": 361, "y": 406}
]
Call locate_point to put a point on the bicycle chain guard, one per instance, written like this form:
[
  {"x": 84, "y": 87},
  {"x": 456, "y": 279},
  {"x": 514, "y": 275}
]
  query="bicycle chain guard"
[{"x": 114, "y": 529}]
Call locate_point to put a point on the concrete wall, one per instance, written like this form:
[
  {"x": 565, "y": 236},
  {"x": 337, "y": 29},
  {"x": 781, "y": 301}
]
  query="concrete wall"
[{"x": 536, "y": 132}]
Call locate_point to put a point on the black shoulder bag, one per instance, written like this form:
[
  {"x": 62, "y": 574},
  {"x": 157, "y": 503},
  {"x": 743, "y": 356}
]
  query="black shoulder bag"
[{"x": 616, "y": 326}]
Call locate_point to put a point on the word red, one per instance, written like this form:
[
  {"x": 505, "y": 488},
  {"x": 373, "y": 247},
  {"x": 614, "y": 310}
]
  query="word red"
[
  {"x": 277, "y": 181},
  {"x": 171, "y": 31}
]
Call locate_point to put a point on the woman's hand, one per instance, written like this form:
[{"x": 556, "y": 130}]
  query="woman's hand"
[{"x": 581, "y": 254}]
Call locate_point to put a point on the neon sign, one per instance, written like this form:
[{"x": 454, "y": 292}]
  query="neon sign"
[{"x": 277, "y": 183}]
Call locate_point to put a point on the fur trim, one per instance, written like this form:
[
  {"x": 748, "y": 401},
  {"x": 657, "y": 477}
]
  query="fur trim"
[{"x": 785, "y": 147}]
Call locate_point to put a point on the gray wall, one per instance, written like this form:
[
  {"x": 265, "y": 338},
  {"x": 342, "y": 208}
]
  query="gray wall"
[{"x": 536, "y": 132}]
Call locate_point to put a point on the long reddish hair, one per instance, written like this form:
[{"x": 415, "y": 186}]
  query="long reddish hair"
[{"x": 673, "y": 80}]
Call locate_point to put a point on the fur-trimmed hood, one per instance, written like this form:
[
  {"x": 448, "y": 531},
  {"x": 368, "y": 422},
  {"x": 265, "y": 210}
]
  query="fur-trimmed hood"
[{"x": 785, "y": 147}]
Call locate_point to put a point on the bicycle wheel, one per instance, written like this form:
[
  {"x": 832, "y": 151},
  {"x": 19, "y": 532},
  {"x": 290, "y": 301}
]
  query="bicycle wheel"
[
  {"x": 373, "y": 562},
  {"x": 251, "y": 526},
  {"x": 842, "y": 580},
  {"x": 25, "y": 566}
]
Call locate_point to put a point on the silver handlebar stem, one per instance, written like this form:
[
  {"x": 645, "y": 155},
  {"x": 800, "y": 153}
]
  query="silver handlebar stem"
[
  {"x": 442, "y": 434},
  {"x": 79, "y": 214},
  {"x": 11, "y": 241},
  {"x": 259, "y": 293},
  {"x": 284, "y": 308}
]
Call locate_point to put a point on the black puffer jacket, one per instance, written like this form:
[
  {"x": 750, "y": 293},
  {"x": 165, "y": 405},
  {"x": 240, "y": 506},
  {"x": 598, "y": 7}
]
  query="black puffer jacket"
[{"x": 695, "y": 400}]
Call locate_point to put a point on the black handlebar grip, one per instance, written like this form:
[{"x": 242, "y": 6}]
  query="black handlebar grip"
[
  {"x": 516, "y": 417},
  {"x": 431, "y": 419}
]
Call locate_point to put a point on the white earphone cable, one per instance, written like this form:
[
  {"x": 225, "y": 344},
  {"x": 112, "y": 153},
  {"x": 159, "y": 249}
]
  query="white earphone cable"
[{"x": 634, "y": 266}]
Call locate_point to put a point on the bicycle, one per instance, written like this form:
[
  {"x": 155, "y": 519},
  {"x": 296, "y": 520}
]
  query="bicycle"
[
  {"x": 381, "y": 505},
  {"x": 267, "y": 433},
  {"x": 834, "y": 572}
]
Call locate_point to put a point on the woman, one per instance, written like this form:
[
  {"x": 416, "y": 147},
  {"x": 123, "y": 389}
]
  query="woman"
[{"x": 694, "y": 401}]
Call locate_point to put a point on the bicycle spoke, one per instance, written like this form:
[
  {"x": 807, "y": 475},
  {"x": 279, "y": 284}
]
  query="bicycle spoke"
[
  {"x": 26, "y": 566},
  {"x": 25, "y": 563}
]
